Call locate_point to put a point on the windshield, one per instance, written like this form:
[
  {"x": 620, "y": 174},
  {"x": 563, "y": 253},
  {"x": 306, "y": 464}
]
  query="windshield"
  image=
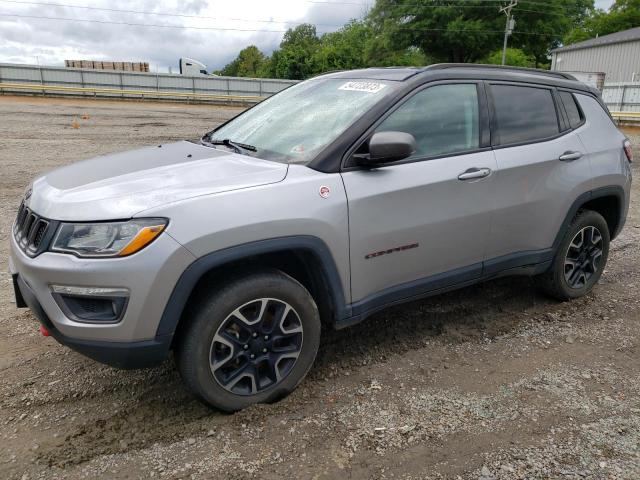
[{"x": 294, "y": 125}]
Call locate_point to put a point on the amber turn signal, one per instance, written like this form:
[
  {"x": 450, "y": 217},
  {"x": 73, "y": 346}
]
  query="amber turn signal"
[{"x": 141, "y": 240}]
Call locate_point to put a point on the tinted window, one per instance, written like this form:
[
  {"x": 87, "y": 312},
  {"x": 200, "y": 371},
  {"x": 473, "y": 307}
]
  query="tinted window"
[
  {"x": 443, "y": 119},
  {"x": 524, "y": 114},
  {"x": 575, "y": 118}
]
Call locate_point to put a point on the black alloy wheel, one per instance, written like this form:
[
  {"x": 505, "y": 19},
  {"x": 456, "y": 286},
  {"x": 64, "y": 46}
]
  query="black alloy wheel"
[
  {"x": 580, "y": 258},
  {"x": 248, "y": 337},
  {"x": 256, "y": 346},
  {"x": 583, "y": 257}
]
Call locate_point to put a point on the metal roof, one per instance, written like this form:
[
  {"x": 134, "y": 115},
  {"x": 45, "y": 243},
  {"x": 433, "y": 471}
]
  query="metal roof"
[{"x": 618, "y": 37}]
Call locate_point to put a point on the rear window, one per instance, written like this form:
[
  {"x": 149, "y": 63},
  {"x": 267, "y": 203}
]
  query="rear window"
[
  {"x": 524, "y": 114},
  {"x": 570, "y": 106}
]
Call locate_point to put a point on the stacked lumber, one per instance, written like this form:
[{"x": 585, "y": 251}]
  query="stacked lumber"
[{"x": 100, "y": 65}]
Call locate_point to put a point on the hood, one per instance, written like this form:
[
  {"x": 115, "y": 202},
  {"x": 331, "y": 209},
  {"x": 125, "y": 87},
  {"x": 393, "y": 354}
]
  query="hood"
[{"x": 120, "y": 185}]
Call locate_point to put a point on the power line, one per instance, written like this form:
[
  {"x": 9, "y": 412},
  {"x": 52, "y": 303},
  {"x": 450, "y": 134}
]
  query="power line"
[
  {"x": 492, "y": 3},
  {"x": 558, "y": 10},
  {"x": 189, "y": 27},
  {"x": 133, "y": 24},
  {"x": 146, "y": 12},
  {"x": 464, "y": 4},
  {"x": 286, "y": 22},
  {"x": 443, "y": 3}
]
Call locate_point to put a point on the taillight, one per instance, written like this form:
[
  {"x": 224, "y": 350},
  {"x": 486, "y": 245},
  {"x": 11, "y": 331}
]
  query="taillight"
[{"x": 628, "y": 151}]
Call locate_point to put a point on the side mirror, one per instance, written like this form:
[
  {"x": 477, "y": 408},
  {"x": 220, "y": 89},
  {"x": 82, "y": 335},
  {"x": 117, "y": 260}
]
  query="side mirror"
[{"x": 385, "y": 147}]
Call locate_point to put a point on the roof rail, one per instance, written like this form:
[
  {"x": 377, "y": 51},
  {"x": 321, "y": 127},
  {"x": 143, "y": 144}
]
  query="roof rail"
[{"x": 534, "y": 71}]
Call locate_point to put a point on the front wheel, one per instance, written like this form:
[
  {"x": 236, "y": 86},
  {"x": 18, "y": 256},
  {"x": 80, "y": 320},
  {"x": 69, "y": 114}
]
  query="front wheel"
[
  {"x": 251, "y": 341},
  {"x": 580, "y": 259}
]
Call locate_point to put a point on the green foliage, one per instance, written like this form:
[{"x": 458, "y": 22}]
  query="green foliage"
[
  {"x": 515, "y": 58},
  {"x": 250, "y": 63},
  {"x": 466, "y": 32},
  {"x": 295, "y": 59},
  {"x": 623, "y": 15},
  {"x": 344, "y": 49},
  {"x": 421, "y": 32}
]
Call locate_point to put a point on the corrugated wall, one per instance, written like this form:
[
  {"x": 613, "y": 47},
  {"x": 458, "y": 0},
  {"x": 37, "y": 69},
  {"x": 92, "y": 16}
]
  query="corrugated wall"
[
  {"x": 622, "y": 97},
  {"x": 120, "y": 80},
  {"x": 619, "y": 61}
]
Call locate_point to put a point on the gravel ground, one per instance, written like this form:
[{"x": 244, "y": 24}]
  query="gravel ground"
[{"x": 491, "y": 382}]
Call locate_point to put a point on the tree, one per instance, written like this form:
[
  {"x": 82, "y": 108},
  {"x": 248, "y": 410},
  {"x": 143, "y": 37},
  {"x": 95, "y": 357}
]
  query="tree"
[
  {"x": 453, "y": 31},
  {"x": 344, "y": 49},
  {"x": 295, "y": 58},
  {"x": 624, "y": 14},
  {"x": 249, "y": 63},
  {"x": 515, "y": 57}
]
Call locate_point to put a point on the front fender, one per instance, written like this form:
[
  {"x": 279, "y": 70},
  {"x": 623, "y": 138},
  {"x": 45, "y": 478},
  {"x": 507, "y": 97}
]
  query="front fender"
[{"x": 194, "y": 272}]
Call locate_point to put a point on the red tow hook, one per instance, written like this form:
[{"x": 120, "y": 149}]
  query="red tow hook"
[{"x": 44, "y": 331}]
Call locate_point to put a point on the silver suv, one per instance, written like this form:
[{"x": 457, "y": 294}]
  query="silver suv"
[{"x": 321, "y": 205}]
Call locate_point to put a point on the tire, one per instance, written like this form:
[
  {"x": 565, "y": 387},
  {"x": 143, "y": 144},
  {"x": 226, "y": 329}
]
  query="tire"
[
  {"x": 580, "y": 259},
  {"x": 252, "y": 314}
]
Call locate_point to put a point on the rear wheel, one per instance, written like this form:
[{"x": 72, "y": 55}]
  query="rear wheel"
[
  {"x": 580, "y": 259},
  {"x": 251, "y": 341}
]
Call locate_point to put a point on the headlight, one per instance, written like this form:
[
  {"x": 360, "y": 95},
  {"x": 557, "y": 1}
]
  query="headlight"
[{"x": 109, "y": 239}]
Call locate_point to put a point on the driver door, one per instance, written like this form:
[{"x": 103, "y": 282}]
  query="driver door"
[{"x": 422, "y": 223}]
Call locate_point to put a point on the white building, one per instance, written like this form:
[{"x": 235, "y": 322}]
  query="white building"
[{"x": 617, "y": 55}]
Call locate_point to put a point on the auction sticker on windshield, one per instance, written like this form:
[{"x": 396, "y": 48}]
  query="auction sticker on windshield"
[{"x": 370, "y": 87}]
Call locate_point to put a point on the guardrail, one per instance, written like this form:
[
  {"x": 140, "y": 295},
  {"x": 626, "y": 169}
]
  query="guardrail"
[
  {"x": 123, "y": 84},
  {"x": 196, "y": 96},
  {"x": 622, "y": 96},
  {"x": 122, "y": 93},
  {"x": 626, "y": 115}
]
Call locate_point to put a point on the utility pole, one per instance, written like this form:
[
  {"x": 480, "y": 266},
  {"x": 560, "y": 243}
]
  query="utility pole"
[{"x": 508, "y": 29}]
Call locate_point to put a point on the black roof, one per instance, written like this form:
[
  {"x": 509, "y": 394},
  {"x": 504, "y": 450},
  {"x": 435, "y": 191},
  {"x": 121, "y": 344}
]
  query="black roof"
[
  {"x": 389, "y": 73},
  {"x": 462, "y": 71},
  {"x": 619, "y": 37}
]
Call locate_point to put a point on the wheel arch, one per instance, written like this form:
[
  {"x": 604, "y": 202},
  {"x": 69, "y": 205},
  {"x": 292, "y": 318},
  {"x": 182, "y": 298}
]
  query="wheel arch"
[
  {"x": 305, "y": 258},
  {"x": 607, "y": 201},
  {"x": 609, "y": 206}
]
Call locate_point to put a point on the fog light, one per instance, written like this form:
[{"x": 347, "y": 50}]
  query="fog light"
[
  {"x": 91, "y": 304},
  {"x": 90, "y": 291}
]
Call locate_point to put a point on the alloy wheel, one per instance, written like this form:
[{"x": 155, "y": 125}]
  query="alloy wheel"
[
  {"x": 583, "y": 257},
  {"x": 256, "y": 346}
]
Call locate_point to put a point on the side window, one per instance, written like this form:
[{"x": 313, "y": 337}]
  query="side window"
[
  {"x": 443, "y": 119},
  {"x": 524, "y": 114},
  {"x": 569, "y": 102}
]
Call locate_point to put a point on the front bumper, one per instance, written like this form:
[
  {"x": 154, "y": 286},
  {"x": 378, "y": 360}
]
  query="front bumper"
[
  {"x": 149, "y": 276},
  {"x": 141, "y": 354}
]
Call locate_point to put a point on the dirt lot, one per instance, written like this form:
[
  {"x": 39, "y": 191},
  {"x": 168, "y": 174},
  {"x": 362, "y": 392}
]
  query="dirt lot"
[{"x": 494, "y": 381}]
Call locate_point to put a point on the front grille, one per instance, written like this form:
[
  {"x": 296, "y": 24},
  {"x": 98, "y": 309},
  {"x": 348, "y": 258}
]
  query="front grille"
[{"x": 31, "y": 231}]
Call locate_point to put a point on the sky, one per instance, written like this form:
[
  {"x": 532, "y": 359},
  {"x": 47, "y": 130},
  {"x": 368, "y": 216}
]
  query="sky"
[{"x": 217, "y": 29}]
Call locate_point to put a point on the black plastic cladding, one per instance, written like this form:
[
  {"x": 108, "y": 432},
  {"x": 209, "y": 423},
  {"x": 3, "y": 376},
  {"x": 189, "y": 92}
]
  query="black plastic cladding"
[{"x": 329, "y": 160}]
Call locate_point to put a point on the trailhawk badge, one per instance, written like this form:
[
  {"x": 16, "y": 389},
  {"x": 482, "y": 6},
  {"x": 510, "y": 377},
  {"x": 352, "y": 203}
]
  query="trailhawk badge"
[{"x": 324, "y": 191}]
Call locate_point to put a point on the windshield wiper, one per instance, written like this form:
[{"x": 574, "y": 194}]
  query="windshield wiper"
[{"x": 236, "y": 146}]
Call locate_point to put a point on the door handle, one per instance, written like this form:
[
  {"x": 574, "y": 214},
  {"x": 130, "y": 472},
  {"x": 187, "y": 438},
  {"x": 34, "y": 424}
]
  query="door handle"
[
  {"x": 570, "y": 156},
  {"x": 474, "y": 173}
]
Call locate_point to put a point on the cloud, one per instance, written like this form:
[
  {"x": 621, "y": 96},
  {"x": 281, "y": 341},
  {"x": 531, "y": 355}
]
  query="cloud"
[
  {"x": 604, "y": 4},
  {"x": 53, "y": 41}
]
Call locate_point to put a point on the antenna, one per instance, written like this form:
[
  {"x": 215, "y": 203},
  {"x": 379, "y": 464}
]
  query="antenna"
[{"x": 508, "y": 29}]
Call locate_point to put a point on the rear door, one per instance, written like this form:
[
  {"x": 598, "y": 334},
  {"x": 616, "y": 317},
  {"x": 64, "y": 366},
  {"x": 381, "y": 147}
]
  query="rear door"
[
  {"x": 542, "y": 169},
  {"x": 423, "y": 223}
]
